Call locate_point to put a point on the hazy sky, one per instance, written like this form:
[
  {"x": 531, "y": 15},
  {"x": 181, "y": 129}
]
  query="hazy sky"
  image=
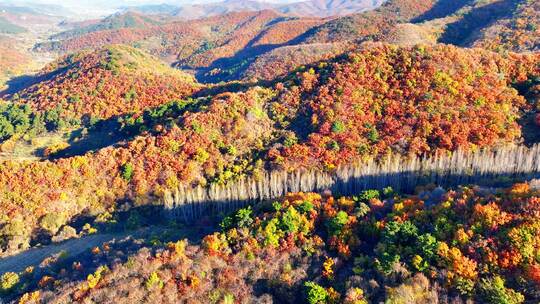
[
  {"x": 109, "y": 3},
  {"x": 95, "y": 8}
]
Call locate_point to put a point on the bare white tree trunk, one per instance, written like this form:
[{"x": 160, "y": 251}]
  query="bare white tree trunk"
[{"x": 399, "y": 172}]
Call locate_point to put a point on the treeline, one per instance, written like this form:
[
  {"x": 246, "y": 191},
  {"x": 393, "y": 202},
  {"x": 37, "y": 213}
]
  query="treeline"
[
  {"x": 18, "y": 119},
  {"x": 402, "y": 173}
]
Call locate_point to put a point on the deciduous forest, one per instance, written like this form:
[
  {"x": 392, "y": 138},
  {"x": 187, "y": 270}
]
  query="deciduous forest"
[{"x": 271, "y": 154}]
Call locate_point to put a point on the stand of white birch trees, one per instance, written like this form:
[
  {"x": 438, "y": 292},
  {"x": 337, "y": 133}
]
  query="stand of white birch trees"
[{"x": 399, "y": 172}]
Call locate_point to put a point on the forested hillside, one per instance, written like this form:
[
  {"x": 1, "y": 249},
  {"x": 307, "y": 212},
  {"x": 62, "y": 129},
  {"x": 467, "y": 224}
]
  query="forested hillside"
[
  {"x": 12, "y": 59},
  {"x": 285, "y": 59},
  {"x": 319, "y": 118},
  {"x": 114, "y": 22},
  {"x": 237, "y": 40},
  {"x": 471, "y": 243},
  {"x": 150, "y": 127},
  {"x": 196, "y": 43},
  {"x": 373, "y": 24},
  {"x": 100, "y": 84},
  {"x": 237, "y": 37},
  {"x": 517, "y": 31}
]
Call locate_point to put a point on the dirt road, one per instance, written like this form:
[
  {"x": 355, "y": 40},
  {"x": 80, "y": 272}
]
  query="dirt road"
[{"x": 73, "y": 247}]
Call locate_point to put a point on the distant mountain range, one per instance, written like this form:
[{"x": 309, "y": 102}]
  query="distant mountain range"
[
  {"x": 187, "y": 10},
  {"x": 113, "y": 22},
  {"x": 152, "y": 9},
  {"x": 314, "y": 8},
  {"x": 6, "y": 27},
  {"x": 14, "y": 18},
  {"x": 239, "y": 45},
  {"x": 205, "y": 10},
  {"x": 33, "y": 9},
  {"x": 326, "y": 8}
]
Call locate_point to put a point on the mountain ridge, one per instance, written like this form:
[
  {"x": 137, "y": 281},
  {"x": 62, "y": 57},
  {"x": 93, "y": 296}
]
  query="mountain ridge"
[
  {"x": 305, "y": 8},
  {"x": 103, "y": 83}
]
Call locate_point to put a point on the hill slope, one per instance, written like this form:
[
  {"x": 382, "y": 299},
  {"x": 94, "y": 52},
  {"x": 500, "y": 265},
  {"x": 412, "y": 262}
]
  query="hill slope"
[
  {"x": 12, "y": 59},
  {"x": 198, "y": 11},
  {"x": 325, "y": 116},
  {"x": 175, "y": 36},
  {"x": 7, "y": 27},
  {"x": 518, "y": 32},
  {"x": 327, "y": 8},
  {"x": 313, "y": 248},
  {"x": 206, "y": 44},
  {"x": 222, "y": 48},
  {"x": 500, "y": 25},
  {"x": 113, "y": 22},
  {"x": 286, "y": 59},
  {"x": 103, "y": 83},
  {"x": 493, "y": 24},
  {"x": 373, "y": 24}
]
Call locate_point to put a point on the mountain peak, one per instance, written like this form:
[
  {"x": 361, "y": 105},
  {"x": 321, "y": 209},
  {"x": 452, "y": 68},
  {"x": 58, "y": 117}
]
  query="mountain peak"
[{"x": 112, "y": 80}]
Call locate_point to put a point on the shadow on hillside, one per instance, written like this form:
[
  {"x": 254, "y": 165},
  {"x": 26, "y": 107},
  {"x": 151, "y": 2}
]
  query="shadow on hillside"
[
  {"x": 309, "y": 33},
  {"x": 404, "y": 182},
  {"x": 130, "y": 218},
  {"x": 19, "y": 83},
  {"x": 104, "y": 134},
  {"x": 229, "y": 87},
  {"x": 231, "y": 68},
  {"x": 529, "y": 129},
  {"x": 459, "y": 32},
  {"x": 442, "y": 8},
  {"x": 114, "y": 131},
  {"x": 337, "y": 30}
]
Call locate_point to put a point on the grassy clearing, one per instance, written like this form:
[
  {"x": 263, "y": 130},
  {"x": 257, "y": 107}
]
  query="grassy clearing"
[{"x": 35, "y": 148}]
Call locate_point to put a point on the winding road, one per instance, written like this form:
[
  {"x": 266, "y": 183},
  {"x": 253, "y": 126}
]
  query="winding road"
[{"x": 73, "y": 247}]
